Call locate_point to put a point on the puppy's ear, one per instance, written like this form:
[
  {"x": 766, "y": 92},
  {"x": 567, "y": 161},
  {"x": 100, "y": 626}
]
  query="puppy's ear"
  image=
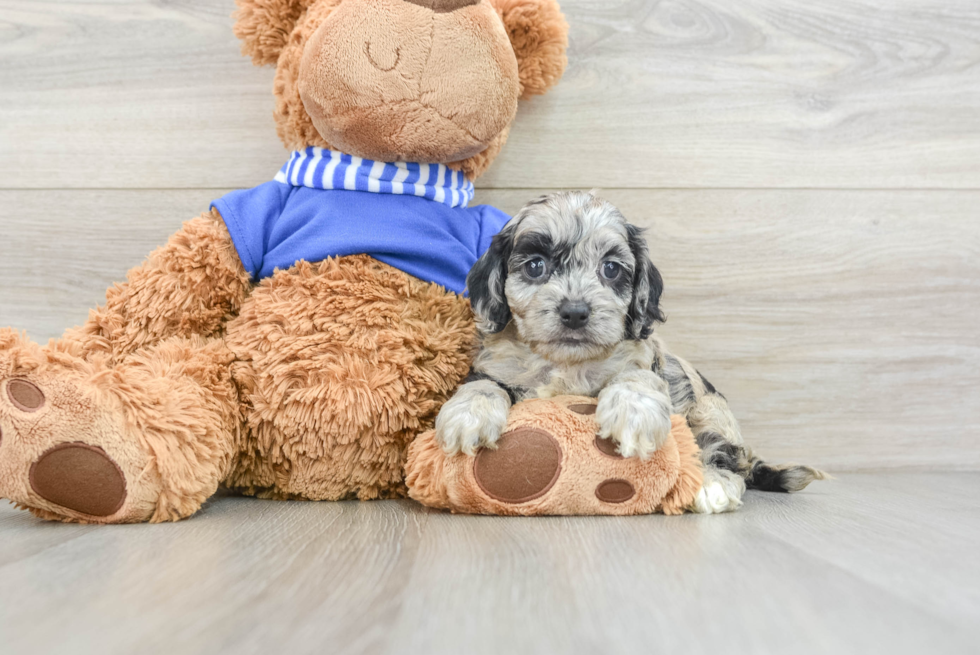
[
  {"x": 264, "y": 26},
  {"x": 648, "y": 286},
  {"x": 486, "y": 280},
  {"x": 539, "y": 35}
]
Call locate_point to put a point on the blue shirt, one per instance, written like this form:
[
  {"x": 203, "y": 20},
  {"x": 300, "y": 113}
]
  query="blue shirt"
[{"x": 278, "y": 224}]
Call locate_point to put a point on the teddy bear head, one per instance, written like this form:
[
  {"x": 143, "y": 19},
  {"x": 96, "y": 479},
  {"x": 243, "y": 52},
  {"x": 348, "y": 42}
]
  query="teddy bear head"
[{"x": 429, "y": 81}]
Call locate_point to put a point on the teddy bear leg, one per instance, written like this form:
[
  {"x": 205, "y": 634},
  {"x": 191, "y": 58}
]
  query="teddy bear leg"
[
  {"x": 190, "y": 286},
  {"x": 146, "y": 440},
  {"x": 340, "y": 365}
]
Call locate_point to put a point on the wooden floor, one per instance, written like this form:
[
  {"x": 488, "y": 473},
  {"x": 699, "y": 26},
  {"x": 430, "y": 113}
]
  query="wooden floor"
[
  {"x": 869, "y": 563},
  {"x": 809, "y": 174}
]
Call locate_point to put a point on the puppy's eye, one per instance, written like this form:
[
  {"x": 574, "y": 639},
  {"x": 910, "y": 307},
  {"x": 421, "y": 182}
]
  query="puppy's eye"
[
  {"x": 534, "y": 269},
  {"x": 611, "y": 270}
]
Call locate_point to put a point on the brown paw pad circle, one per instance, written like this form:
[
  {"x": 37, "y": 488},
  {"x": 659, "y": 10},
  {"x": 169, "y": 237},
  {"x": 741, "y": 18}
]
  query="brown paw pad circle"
[
  {"x": 607, "y": 447},
  {"x": 25, "y": 396},
  {"x": 81, "y": 478},
  {"x": 614, "y": 491},
  {"x": 525, "y": 465},
  {"x": 587, "y": 409}
]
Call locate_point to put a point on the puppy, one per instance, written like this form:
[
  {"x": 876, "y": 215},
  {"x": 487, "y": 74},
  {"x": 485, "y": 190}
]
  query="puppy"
[{"x": 566, "y": 300}]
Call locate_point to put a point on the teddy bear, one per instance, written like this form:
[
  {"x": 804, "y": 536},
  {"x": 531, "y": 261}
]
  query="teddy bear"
[
  {"x": 292, "y": 340},
  {"x": 551, "y": 460}
]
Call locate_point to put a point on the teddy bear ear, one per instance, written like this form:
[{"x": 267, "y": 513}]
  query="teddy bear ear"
[
  {"x": 539, "y": 35},
  {"x": 264, "y": 26}
]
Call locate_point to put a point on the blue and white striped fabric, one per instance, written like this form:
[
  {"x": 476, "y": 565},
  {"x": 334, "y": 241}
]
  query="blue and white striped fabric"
[
  {"x": 318, "y": 168},
  {"x": 414, "y": 217}
]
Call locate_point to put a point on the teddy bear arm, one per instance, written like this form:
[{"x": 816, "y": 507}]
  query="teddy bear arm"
[{"x": 191, "y": 286}]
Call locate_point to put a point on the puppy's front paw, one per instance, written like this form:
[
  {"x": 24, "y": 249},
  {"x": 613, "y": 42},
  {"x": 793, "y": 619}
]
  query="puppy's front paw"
[
  {"x": 475, "y": 417},
  {"x": 639, "y": 422}
]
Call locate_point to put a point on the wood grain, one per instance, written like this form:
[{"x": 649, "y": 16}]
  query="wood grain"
[
  {"x": 61, "y": 250},
  {"x": 841, "y": 325},
  {"x": 659, "y": 93},
  {"x": 24, "y": 536},
  {"x": 634, "y": 585},
  {"x": 246, "y": 576},
  {"x": 808, "y": 176},
  {"x": 848, "y": 566},
  {"x": 868, "y": 536}
]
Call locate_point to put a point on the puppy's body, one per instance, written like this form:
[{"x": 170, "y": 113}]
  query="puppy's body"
[
  {"x": 566, "y": 300},
  {"x": 505, "y": 358}
]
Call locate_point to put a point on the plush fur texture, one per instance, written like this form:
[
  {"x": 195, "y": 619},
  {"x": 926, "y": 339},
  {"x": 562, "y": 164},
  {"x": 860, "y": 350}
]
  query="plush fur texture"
[
  {"x": 264, "y": 26},
  {"x": 313, "y": 391},
  {"x": 312, "y": 383},
  {"x": 443, "y": 107},
  {"x": 193, "y": 285},
  {"x": 539, "y": 35},
  {"x": 434, "y": 103},
  {"x": 341, "y": 364},
  {"x": 668, "y": 482},
  {"x": 164, "y": 416}
]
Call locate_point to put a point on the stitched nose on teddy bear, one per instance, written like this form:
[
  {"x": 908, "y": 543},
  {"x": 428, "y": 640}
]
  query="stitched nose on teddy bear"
[{"x": 444, "y": 6}]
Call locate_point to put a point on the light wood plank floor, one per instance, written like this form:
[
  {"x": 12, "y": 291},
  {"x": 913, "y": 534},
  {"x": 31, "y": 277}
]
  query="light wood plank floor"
[
  {"x": 869, "y": 563},
  {"x": 808, "y": 172}
]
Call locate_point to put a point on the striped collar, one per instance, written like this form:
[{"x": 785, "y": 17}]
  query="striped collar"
[{"x": 319, "y": 168}]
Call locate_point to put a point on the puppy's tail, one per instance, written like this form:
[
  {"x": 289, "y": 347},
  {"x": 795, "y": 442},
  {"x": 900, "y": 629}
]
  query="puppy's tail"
[
  {"x": 719, "y": 452},
  {"x": 776, "y": 477}
]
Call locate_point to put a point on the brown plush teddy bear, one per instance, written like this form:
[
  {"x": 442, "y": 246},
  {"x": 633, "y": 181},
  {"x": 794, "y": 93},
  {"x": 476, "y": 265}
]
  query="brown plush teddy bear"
[
  {"x": 292, "y": 340},
  {"x": 552, "y": 461}
]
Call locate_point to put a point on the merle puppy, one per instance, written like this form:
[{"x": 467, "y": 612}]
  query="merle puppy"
[{"x": 566, "y": 299}]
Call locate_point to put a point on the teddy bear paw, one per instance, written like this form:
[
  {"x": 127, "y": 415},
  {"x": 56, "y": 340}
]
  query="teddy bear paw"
[{"x": 62, "y": 452}]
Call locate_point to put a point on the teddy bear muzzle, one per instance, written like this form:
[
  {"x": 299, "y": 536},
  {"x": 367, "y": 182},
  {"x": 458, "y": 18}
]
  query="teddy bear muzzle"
[
  {"x": 430, "y": 81},
  {"x": 444, "y": 6}
]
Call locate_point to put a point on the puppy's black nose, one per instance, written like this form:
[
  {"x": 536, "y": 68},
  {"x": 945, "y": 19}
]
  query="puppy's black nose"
[{"x": 574, "y": 315}]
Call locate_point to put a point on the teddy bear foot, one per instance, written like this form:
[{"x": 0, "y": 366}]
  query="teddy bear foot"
[{"x": 64, "y": 451}]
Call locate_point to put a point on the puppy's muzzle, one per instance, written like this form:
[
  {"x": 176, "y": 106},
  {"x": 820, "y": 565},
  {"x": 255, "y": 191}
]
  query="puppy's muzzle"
[{"x": 574, "y": 314}]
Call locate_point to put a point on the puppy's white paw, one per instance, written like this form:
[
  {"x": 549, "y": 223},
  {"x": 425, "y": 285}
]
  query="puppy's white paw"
[
  {"x": 639, "y": 421},
  {"x": 475, "y": 417},
  {"x": 721, "y": 492}
]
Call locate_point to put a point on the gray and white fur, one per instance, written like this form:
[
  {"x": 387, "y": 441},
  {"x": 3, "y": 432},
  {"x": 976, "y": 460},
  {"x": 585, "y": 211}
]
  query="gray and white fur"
[{"x": 566, "y": 300}]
